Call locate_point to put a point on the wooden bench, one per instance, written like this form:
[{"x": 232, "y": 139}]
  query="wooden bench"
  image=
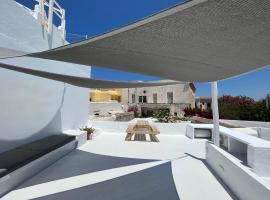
[
  {"x": 130, "y": 132},
  {"x": 155, "y": 131}
]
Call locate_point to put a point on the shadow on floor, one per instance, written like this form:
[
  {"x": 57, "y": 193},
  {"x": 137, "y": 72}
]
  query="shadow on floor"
[
  {"x": 228, "y": 190},
  {"x": 78, "y": 163},
  {"x": 154, "y": 183}
]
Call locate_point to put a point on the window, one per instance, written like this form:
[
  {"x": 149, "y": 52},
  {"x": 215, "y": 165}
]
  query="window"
[
  {"x": 155, "y": 98},
  {"x": 133, "y": 98},
  {"x": 170, "y": 97},
  {"x": 142, "y": 99}
]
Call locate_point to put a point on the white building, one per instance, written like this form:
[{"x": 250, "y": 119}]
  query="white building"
[
  {"x": 33, "y": 107},
  {"x": 203, "y": 103},
  {"x": 172, "y": 97}
]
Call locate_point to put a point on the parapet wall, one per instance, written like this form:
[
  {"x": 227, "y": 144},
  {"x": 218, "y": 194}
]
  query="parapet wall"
[
  {"x": 120, "y": 127},
  {"x": 243, "y": 183}
]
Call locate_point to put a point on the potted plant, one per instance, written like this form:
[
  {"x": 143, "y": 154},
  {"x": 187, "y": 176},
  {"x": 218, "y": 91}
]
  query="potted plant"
[{"x": 89, "y": 131}]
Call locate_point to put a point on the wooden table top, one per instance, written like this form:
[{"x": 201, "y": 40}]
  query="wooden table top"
[
  {"x": 143, "y": 127},
  {"x": 140, "y": 129}
]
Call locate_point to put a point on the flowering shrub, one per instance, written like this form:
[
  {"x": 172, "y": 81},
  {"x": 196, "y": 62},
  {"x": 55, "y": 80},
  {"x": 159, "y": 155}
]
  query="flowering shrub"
[
  {"x": 237, "y": 100},
  {"x": 243, "y": 108},
  {"x": 132, "y": 109},
  {"x": 189, "y": 112},
  {"x": 237, "y": 108}
]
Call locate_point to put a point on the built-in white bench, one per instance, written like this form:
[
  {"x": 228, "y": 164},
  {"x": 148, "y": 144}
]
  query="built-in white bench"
[
  {"x": 81, "y": 136},
  {"x": 264, "y": 133},
  {"x": 241, "y": 180},
  {"x": 199, "y": 131},
  {"x": 24, "y": 161},
  {"x": 256, "y": 150}
]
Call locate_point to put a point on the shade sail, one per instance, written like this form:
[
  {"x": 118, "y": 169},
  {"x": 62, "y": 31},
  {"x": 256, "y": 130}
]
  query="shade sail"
[
  {"x": 8, "y": 53},
  {"x": 200, "y": 40},
  {"x": 85, "y": 82}
]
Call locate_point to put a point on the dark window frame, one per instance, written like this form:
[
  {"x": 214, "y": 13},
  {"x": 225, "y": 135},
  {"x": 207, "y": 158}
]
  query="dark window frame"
[
  {"x": 169, "y": 97},
  {"x": 154, "y": 97},
  {"x": 133, "y": 98}
]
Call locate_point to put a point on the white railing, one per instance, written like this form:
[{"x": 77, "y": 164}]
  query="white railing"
[{"x": 44, "y": 12}]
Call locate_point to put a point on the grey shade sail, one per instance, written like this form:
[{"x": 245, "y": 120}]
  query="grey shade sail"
[
  {"x": 198, "y": 41},
  {"x": 8, "y": 53},
  {"x": 85, "y": 82}
]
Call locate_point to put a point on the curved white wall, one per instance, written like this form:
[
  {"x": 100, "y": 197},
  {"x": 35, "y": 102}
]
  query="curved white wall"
[{"x": 33, "y": 107}]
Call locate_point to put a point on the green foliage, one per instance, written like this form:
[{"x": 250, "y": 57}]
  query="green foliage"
[
  {"x": 89, "y": 130},
  {"x": 201, "y": 113},
  {"x": 164, "y": 116},
  {"x": 161, "y": 113},
  {"x": 235, "y": 108},
  {"x": 243, "y": 108}
]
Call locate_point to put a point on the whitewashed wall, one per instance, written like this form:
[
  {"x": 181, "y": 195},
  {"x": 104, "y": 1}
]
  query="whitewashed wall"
[
  {"x": 104, "y": 107},
  {"x": 121, "y": 127},
  {"x": 244, "y": 184},
  {"x": 33, "y": 107},
  {"x": 182, "y": 94}
]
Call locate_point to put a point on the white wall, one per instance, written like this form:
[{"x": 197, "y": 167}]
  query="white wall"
[
  {"x": 245, "y": 184},
  {"x": 182, "y": 93},
  {"x": 121, "y": 127},
  {"x": 264, "y": 133},
  {"x": 104, "y": 107},
  {"x": 242, "y": 123},
  {"x": 33, "y": 107}
]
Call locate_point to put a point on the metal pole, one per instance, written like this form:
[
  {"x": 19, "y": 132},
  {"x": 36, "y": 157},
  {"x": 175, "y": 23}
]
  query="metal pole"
[{"x": 214, "y": 90}]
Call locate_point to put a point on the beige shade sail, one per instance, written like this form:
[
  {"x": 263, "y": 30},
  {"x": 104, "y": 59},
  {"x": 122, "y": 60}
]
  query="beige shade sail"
[
  {"x": 198, "y": 41},
  {"x": 85, "y": 82}
]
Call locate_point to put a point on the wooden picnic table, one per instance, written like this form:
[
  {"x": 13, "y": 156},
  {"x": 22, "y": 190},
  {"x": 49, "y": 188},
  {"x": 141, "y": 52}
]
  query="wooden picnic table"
[{"x": 140, "y": 129}]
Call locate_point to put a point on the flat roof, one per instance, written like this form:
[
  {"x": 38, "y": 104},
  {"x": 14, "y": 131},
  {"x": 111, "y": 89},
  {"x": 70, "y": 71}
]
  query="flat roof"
[{"x": 111, "y": 168}]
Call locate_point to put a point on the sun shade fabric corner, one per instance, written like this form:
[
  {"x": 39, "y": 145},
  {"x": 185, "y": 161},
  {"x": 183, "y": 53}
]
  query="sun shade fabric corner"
[
  {"x": 8, "y": 53},
  {"x": 85, "y": 82},
  {"x": 200, "y": 40}
]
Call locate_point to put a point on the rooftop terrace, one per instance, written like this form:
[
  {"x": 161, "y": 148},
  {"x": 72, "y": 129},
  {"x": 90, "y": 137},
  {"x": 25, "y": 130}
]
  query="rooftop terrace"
[
  {"x": 180, "y": 166},
  {"x": 108, "y": 167}
]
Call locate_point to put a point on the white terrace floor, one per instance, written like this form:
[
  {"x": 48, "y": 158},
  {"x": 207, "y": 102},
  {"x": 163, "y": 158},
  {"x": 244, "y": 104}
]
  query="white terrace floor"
[{"x": 109, "y": 168}]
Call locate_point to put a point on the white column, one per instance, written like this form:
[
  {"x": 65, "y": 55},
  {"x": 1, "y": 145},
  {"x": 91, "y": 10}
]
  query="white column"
[{"x": 214, "y": 90}]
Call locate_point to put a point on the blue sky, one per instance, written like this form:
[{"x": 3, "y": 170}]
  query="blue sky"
[{"x": 93, "y": 17}]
